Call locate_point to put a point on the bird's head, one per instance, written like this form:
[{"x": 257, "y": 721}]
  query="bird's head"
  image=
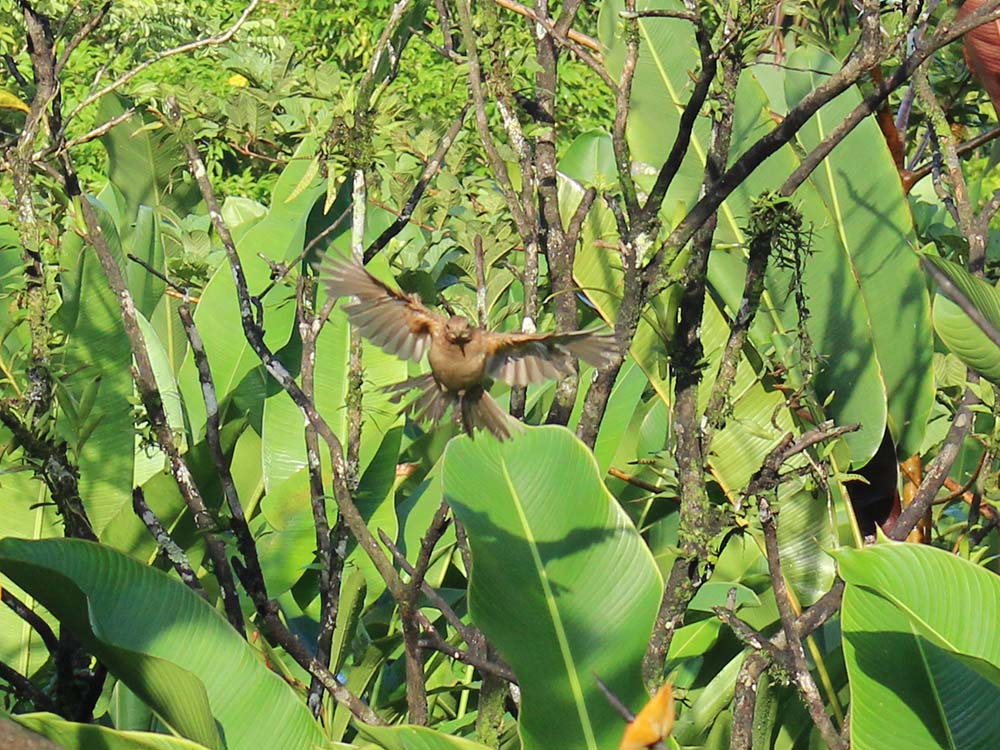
[{"x": 457, "y": 330}]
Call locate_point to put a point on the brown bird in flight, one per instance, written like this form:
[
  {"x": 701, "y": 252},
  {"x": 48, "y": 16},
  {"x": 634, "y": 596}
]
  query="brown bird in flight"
[{"x": 463, "y": 357}]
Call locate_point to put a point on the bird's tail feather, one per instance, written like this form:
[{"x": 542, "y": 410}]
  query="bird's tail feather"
[
  {"x": 480, "y": 409},
  {"x": 476, "y": 407},
  {"x": 431, "y": 402}
]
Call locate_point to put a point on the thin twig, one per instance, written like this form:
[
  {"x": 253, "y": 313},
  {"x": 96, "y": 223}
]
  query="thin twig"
[
  {"x": 431, "y": 167},
  {"x": 254, "y": 582},
  {"x": 468, "y": 633},
  {"x": 181, "y": 290},
  {"x": 803, "y": 677},
  {"x": 310, "y": 246},
  {"x": 25, "y": 689},
  {"x": 82, "y": 33},
  {"x": 745, "y": 699},
  {"x": 750, "y": 637},
  {"x": 623, "y": 105},
  {"x": 432, "y": 639},
  {"x": 522, "y": 10},
  {"x": 685, "y": 126},
  {"x": 98, "y": 132},
  {"x": 636, "y": 481},
  {"x": 938, "y": 470},
  {"x": 408, "y": 609},
  {"x": 170, "y": 549},
  {"x": 918, "y": 173},
  {"x": 480, "y": 257},
  {"x": 31, "y": 617},
  {"x": 331, "y": 564},
  {"x": 682, "y": 15}
]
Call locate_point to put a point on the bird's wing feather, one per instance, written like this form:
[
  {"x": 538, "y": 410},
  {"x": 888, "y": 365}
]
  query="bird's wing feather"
[
  {"x": 525, "y": 358},
  {"x": 396, "y": 322}
]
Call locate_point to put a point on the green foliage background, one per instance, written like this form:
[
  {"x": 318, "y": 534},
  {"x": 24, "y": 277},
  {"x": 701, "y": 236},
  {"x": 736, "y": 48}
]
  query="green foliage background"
[{"x": 570, "y": 547}]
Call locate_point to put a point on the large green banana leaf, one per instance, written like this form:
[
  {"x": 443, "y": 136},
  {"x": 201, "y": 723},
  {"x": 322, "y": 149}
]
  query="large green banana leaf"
[
  {"x": 162, "y": 640},
  {"x": 561, "y": 581}
]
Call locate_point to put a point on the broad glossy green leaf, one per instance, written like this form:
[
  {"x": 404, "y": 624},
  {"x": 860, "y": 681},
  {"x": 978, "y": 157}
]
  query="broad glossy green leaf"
[
  {"x": 668, "y": 56},
  {"x": 98, "y": 354},
  {"x": 148, "y": 167},
  {"x": 415, "y": 738},
  {"x": 286, "y": 531},
  {"x": 283, "y": 448},
  {"x": 959, "y": 333},
  {"x": 592, "y": 154},
  {"x": 597, "y": 268},
  {"x": 69, "y": 734},
  {"x": 127, "y": 533},
  {"x": 278, "y": 237},
  {"x": 562, "y": 583},
  {"x": 248, "y": 476},
  {"x": 716, "y": 594},
  {"x": 707, "y": 704},
  {"x": 168, "y": 327},
  {"x": 922, "y": 674},
  {"x": 694, "y": 639},
  {"x": 286, "y": 535},
  {"x": 166, "y": 643},
  {"x": 415, "y": 515},
  {"x": 664, "y": 78},
  {"x": 25, "y": 511},
  {"x": 240, "y": 214},
  {"x": 868, "y": 303},
  {"x": 150, "y": 460},
  {"x": 806, "y": 531},
  {"x": 758, "y": 417},
  {"x": 626, "y": 395},
  {"x": 144, "y": 242},
  {"x": 126, "y": 710}
]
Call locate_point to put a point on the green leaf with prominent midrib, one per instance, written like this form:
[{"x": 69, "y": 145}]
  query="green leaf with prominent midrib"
[
  {"x": 97, "y": 353},
  {"x": 922, "y": 674},
  {"x": 561, "y": 583},
  {"x": 887, "y": 341},
  {"x": 164, "y": 642}
]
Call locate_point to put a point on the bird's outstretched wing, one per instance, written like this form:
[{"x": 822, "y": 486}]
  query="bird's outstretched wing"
[
  {"x": 524, "y": 358},
  {"x": 396, "y": 322}
]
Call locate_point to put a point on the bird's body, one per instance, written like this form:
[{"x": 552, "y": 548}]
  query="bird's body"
[
  {"x": 463, "y": 357},
  {"x": 458, "y": 357}
]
